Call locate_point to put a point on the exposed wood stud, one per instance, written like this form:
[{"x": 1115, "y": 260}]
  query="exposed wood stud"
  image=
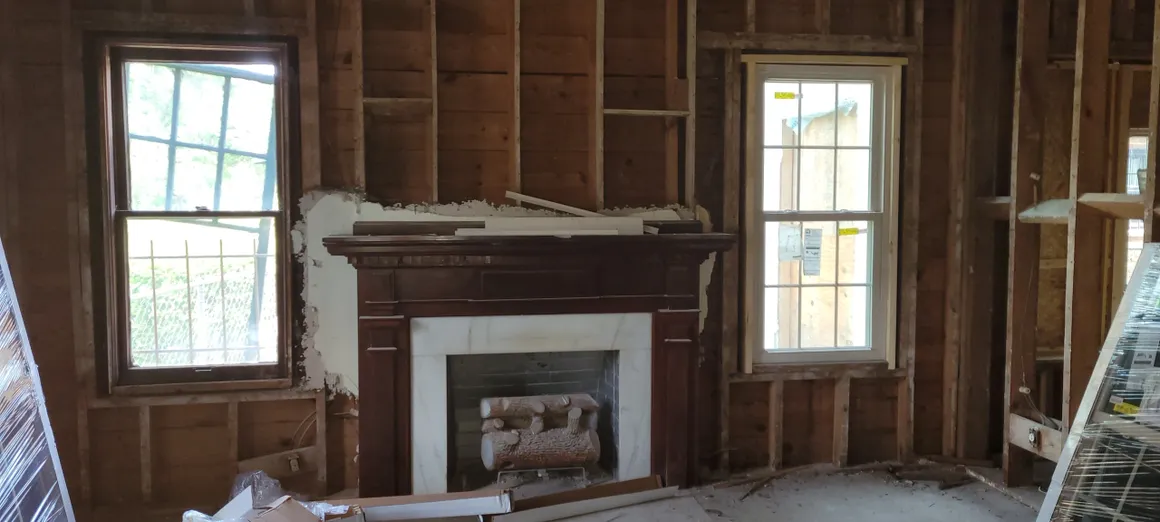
[
  {"x": 146, "y": 439},
  {"x": 841, "y": 421},
  {"x": 908, "y": 255},
  {"x": 822, "y": 22},
  {"x": 1151, "y": 195},
  {"x": 730, "y": 268},
  {"x": 514, "y": 181},
  {"x": 84, "y": 455},
  {"x": 1125, "y": 18},
  {"x": 232, "y": 431},
  {"x": 751, "y": 320},
  {"x": 308, "y": 103},
  {"x": 751, "y": 16},
  {"x": 691, "y": 120},
  {"x": 776, "y": 423},
  {"x": 905, "y": 420},
  {"x": 672, "y": 44},
  {"x": 898, "y": 18},
  {"x": 1083, "y": 304},
  {"x": 248, "y": 8},
  {"x": 320, "y": 441},
  {"x": 909, "y": 246},
  {"x": 433, "y": 123},
  {"x": 1023, "y": 238},
  {"x": 357, "y": 71},
  {"x": 596, "y": 109},
  {"x": 958, "y": 224}
]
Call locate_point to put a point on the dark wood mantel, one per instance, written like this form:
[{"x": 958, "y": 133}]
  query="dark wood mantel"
[{"x": 408, "y": 270}]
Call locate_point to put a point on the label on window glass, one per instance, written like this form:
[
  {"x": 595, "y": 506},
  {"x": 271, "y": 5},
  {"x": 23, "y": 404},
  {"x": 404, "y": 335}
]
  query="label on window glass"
[
  {"x": 812, "y": 260},
  {"x": 789, "y": 243},
  {"x": 785, "y": 95},
  {"x": 852, "y": 231}
]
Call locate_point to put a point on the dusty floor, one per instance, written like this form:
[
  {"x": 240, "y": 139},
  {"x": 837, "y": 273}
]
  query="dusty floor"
[{"x": 862, "y": 497}]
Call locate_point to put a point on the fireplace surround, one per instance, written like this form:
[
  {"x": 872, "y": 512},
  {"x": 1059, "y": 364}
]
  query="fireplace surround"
[{"x": 411, "y": 273}]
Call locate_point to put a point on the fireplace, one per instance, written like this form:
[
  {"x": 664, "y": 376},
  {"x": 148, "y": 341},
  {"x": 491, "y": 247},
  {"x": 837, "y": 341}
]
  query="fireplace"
[
  {"x": 598, "y": 354},
  {"x": 427, "y": 298}
]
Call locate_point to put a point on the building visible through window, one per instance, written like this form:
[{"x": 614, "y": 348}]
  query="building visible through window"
[{"x": 1137, "y": 164}]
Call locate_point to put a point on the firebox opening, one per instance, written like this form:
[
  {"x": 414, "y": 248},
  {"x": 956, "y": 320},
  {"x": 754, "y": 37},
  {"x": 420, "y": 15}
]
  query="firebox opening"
[{"x": 473, "y": 378}]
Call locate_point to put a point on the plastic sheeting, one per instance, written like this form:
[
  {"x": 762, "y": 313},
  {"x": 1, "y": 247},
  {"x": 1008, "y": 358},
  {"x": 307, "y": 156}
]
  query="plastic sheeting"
[
  {"x": 1109, "y": 469},
  {"x": 31, "y": 483}
]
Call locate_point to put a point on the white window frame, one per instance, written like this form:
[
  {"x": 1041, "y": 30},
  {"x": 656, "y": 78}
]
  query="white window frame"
[{"x": 886, "y": 74}]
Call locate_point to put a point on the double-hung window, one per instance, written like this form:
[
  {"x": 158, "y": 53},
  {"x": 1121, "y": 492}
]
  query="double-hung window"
[
  {"x": 822, "y": 208},
  {"x": 194, "y": 209}
]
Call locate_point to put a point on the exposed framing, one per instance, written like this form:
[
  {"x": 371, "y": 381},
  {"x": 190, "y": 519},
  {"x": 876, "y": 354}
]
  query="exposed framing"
[{"x": 109, "y": 184}]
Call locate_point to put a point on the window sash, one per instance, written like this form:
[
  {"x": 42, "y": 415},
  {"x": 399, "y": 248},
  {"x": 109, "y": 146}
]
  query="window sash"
[
  {"x": 885, "y": 75},
  {"x": 122, "y": 376}
]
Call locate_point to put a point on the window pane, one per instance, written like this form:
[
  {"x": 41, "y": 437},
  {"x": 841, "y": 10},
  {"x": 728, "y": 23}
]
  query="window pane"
[
  {"x": 817, "y": 180},
  {"x": 853, "y": 310},
  {"x": 248, "y": 183},
  {"x": 199, "y": 108},
  {"x": 819, "y": 246},
  {"x": 855, "y": 112},
  {"x": 783, "y": 253},
  {"x": 202, "y": 292},
  {"x": 251, "y": 107},
  {"x": 855, "y": 244},
  {"x": 781, "y": 319},
  {"x": 817, "y": 118},
  {"x": 818, "y": 317},
  {"x": 149, "y": 97},
  {"x": 148, "y": 174},
  {"x": 854, "y": 180},
  {"x": 780, "y": 175},
  {"x": 781, "y": 113},
  {"x": 195, "y": 174}
]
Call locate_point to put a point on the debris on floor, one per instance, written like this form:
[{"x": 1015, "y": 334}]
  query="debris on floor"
[{"x": 873, "y": 493}]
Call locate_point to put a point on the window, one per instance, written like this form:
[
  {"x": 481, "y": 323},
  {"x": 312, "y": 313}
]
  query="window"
[
  {"x": 822, "y": 200},
  {"x": 196, "y": 212},
  {"x": 1129, "y": 233}
]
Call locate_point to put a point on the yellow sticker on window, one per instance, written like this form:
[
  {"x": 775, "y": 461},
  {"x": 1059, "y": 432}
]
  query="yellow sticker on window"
[
  {"x": 785, "y": 95},
  {"x": 1126, "y": 409},
  {"x": 852, "y": 231}
]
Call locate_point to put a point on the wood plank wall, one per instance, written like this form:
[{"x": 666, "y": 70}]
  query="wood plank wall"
[
  {"x": 464, "y": 119},
  {"x": 840, "y": 416}
]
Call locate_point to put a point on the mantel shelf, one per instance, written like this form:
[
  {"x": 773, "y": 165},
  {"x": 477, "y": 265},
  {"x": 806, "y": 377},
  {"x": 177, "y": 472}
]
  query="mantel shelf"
[{"x": 535, "y": 246}]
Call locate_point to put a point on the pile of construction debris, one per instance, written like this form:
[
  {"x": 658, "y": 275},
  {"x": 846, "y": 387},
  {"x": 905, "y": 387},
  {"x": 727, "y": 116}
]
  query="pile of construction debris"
[{"x": 640, "y": 499}]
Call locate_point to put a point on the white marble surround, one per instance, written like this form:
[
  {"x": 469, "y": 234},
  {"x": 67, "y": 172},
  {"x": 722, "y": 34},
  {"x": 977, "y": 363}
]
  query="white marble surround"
[{"x": 434, "y": 338}]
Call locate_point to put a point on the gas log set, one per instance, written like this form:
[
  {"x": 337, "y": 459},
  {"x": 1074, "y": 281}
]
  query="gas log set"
[{"x": 539, "y": 432}]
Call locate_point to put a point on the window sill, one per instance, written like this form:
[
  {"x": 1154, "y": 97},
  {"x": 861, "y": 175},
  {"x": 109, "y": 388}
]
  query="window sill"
[
  {"x": 817, "y": 371},
  {"x": 195, "y": 397},
  {"x": 182, "y": 392}
]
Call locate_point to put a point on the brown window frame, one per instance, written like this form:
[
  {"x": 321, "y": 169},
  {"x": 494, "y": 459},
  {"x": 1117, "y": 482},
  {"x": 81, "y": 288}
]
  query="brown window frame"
[{"x": 113, "y": 205}]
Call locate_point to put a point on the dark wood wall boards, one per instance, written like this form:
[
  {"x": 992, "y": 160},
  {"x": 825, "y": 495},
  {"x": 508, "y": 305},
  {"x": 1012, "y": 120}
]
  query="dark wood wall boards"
[
  {"x": 386, "y": 100},
  {"x": 406, "y": 276},
  {"x": 787, "y": 416}
]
